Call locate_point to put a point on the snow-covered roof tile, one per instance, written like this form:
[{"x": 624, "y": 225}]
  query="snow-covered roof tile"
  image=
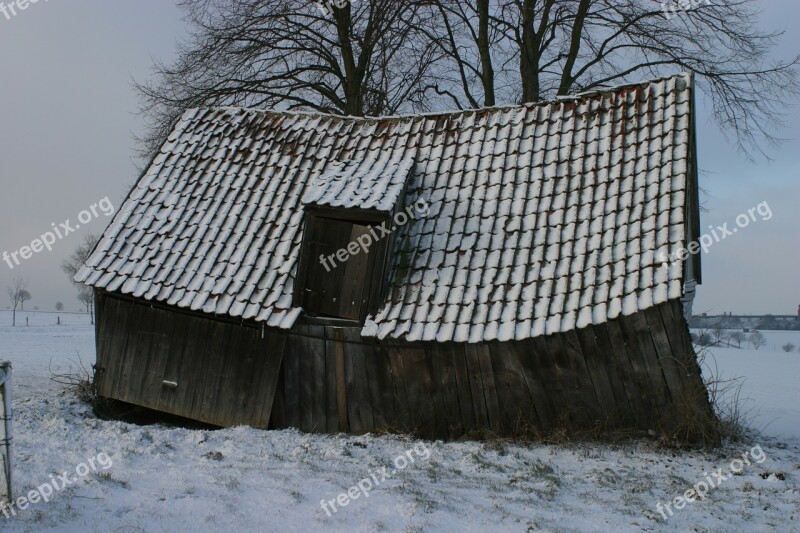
[{"x": 543, "y": 217}]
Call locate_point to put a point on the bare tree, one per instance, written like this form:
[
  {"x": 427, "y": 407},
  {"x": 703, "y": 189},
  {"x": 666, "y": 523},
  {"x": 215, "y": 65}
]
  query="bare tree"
[
  {"x": 567, "y": 46},
  {"x": 757, "y": 339},
  {"x": 704, "y": 339},
  {"x": 466, "y": 36},
  {"x": 16, "y": 293},
  {"x": 86, "y": 297},
  {"x": 738, "y": 337},
  {"x": 290, "y": 54},
  {"x": 718, "y": 332},
  {"x": 74, "y": 263},
  {"x": 379, "y": 57},
  {"x": 59, "y": 306},
  {"x": 788, "y": 347},
  {"x": 24, "y": 296}
]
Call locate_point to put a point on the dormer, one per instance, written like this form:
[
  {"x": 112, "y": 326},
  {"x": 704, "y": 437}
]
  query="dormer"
[{"x": 349, "y": 215}]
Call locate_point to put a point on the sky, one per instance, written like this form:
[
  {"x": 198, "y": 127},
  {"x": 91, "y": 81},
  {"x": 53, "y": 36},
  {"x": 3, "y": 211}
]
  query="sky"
[{"x": 68, "y": 117}]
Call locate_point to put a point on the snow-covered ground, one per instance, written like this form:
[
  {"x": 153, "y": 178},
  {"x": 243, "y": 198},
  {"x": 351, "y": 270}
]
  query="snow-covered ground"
[
  {"x": 768, "y": 386},
  {"x": 174, "y": 479}
]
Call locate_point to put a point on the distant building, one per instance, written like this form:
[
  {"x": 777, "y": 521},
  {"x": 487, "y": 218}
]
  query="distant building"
[{"x": 747, "y": 322}]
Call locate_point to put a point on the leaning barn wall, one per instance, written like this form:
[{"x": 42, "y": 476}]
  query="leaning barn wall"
[
  {"x": 210, "y": 370},
  {"x": 630, "y": 372}
]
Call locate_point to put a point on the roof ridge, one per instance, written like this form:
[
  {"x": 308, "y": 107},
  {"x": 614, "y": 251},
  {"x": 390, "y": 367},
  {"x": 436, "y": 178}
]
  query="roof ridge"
[{"x": 441, "y": 114}]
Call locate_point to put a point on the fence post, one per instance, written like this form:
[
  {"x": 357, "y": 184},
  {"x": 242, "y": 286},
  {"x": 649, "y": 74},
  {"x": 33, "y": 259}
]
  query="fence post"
[{"x": 5, "y": 431}]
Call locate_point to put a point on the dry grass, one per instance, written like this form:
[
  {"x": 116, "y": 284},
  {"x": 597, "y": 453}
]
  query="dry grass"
[
  {"x": 78, "y": 381},
  {"x": 736, "y": 423}
]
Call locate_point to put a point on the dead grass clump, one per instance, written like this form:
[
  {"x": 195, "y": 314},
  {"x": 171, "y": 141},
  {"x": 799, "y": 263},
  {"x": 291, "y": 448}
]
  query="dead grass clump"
[{"x": 78, "y": 381}]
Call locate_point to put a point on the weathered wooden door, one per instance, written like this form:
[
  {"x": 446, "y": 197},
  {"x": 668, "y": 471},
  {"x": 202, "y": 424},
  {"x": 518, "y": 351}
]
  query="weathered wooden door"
[{"x": 336, "y": 287}]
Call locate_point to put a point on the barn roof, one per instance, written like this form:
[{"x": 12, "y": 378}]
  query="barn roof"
[
  {"x": 543, "y": 217},
  {"x": 363, "y": 184}
]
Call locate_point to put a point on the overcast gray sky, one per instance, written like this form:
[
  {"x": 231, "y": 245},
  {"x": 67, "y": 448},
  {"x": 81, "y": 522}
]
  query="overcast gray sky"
[{"x": 68, "y": 116}]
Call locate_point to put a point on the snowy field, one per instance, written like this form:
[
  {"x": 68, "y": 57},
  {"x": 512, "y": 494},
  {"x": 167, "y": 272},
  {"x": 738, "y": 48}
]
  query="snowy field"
[
  {"x": 768, "y": 377},
  {"x": 173, "y": 479}
]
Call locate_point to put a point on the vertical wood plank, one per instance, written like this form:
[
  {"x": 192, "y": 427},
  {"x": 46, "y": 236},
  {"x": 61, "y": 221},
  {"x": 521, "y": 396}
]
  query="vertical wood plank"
[
  {"x": 291, "y": 381},
  {"x": 331, "y": 398},
  {"x": 489, "y": 388},
  {"x": 476, "y": 387},
  {"x": 463, "y": 387},
  {"x": 600, "y": 361},
  {"x": 403, "y": 418},
  {"x": 445, "y": 390},
  {"x": 514, "y": 397},
  {"x": 563, "y": 381},
  {"x": 668, "y": 363},
  {"x": 593, "y": 382},
  {"x": 358, "y": 352},
  {"x": 341, "y": 382},
  {"x": 534, "y": 374},
  {"x": 637, "y": 336},
  {"x": 320, "y": 396},
  {"x": 634, "y": 375}
]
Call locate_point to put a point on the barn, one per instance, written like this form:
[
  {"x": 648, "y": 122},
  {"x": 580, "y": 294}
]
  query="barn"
[{"x": 497, "y": 269}]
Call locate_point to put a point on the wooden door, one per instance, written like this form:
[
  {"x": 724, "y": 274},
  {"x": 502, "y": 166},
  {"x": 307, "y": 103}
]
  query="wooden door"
[{"x": 335, "y": 288}]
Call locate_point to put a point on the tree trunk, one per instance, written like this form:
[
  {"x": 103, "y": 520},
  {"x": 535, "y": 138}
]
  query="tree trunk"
[
  {"x": 487, "y": 70},
  {"x": 353, "y": 80},
  {"x": 531, "y": 47},
  {"x": 574, "y": 48}
]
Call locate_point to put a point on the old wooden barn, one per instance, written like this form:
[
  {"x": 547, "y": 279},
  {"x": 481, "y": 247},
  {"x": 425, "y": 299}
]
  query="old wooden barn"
[{"x": 492, "y": 269}]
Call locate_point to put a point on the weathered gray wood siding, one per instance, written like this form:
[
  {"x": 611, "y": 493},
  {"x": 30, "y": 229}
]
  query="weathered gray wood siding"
[
  {"x": 226, "y": 373},
  {"x": 630, "y": 372}
]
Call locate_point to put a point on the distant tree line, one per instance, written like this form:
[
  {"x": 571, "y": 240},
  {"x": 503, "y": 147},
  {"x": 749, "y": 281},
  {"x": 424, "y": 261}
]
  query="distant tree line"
[{"x": 717, "y": 336}]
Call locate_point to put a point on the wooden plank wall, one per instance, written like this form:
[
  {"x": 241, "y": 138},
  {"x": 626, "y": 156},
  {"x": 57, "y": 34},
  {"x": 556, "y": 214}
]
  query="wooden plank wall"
[
  {"x": 630, "y": 372},
  {"x": 226, "y": 372},
  {"x": 627, "y": 373}
]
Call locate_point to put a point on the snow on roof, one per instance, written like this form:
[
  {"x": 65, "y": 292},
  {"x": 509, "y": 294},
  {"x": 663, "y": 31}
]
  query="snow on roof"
[
  {"x": 543, "y": 217},
  {"x": 364, "y": 184}
]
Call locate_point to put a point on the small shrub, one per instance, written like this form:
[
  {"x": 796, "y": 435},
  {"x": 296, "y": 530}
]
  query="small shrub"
[
  {"x": 705, "y": 340},
  {"x": 78, "y": 381}
]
